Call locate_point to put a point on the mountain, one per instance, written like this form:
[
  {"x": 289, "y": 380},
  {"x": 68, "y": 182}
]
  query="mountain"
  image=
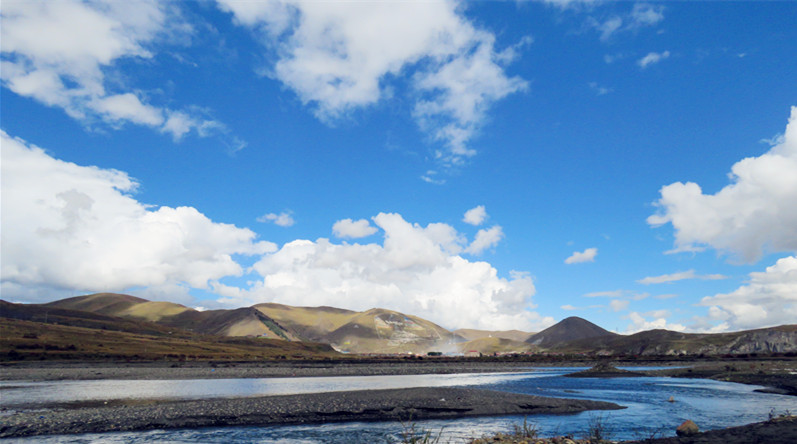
[
  {"x": 567, "y": 330},
  {"x": 35, "y": 332},
  {"x": 372, "y": 331},
  {"x": 382, "y": 331},
  {"x": 781, "y": 339},
  {"x": 385, "y": 331},
  {"x": 470, "y": 334},
  {"x": 238, "y": 322},
  {"x": 307, "y": 323}
]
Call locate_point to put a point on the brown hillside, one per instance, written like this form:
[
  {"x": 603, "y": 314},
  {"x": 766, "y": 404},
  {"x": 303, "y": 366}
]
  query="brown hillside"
[
  {"x": 246, "y": 321},
  {"x": 74, "y": 334},
  {"x": 307, "y": 323},
  {"x": 103, "y": 303},
  {"x": 386, "y": 331},
  {"x": 237, "y": 322},
  {"x": 782, "y": 339},
  {"x": 567, "y": 330}
]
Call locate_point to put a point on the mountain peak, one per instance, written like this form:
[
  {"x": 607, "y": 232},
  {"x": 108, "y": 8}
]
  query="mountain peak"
[{"x": 568, "y": 329}]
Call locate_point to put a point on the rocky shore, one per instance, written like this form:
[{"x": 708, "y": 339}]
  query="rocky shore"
[
  {"x": 776, "y": 377},
  {"x": 364, "y": 405},
  {"x": 604, "y": 370},
  {"x": 776, "y": 430}
]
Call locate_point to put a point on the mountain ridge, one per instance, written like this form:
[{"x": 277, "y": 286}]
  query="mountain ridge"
[{"x": 384, "y": 331}]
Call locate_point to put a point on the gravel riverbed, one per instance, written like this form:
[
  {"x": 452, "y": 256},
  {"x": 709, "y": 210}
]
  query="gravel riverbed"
[{"x": 363, "y": 405}]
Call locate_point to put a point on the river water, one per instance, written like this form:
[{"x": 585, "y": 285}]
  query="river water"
[{"x": 711, "y": 404}]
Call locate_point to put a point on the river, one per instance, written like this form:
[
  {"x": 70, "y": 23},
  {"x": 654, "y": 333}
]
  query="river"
[{"x": 711, "y": 404}]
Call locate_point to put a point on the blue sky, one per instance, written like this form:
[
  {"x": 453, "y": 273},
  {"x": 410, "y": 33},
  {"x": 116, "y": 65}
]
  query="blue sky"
[{"x": 483, "y": 164}]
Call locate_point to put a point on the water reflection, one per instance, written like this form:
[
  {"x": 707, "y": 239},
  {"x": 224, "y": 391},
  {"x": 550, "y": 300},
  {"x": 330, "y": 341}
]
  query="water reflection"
[{"x": 31, "y": 393}]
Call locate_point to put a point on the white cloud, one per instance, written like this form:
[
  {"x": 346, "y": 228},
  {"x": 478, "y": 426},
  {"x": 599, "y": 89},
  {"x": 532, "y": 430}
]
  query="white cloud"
[
  {"x": 640, "y": 323},
  {"x": 679, "y": 276},
  {"x": 485, "y": 239},
  {"x": 769, "y": 298},
  {"x": 348, "y": 228},
  {"x": 127, "y": 106},
  {"x": 609, "y": 27},
  {"x": 600, "y": 90},
  {"x": 569, "y": 307},
  {"x": 753, "y": 214},
  {"x": 579, "y": 257},
  {"x": 610, "y": 294},
  {"x": 652, "y": 58},
  {"x": 619, "y": 304},
  {"x": 475, "y": 216},
  {"x": 59, "y": 53},
  {"x": 663, "y": 313},
  {"x": 641, "y": 15},
  {"x": 283, "y": 219},
  {"x": 644, "y": 14},
  {"x": 339, "y": 57},
  {"x": 564, "y": 4},
  {"x": 431, "y": 177},
  {"x": 76, "y": 228},
  {"x": 415, "y": 270}
]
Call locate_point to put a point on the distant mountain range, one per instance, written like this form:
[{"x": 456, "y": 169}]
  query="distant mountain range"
[
  {"x": 389, "y": 332},
  {"x": 36, "y": 332}
]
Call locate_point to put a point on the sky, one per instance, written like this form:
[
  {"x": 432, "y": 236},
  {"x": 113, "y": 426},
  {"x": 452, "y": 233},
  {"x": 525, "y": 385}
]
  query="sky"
[{"x": 493, "y": 165}]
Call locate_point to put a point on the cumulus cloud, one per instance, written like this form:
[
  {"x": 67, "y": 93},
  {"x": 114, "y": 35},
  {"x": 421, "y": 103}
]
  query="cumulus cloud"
[
  {"x": 619, "y": 304},
  {"x": 652, "y": 58},
  {"x": 641, "y": 323},
  {"x": 679, "y": 276},
  {"x": 348, "y": 228},
  {"x": 338, "y": 57},
  {"x": 416, "y": 269},
  {"x": 283, "y": 219},
  {"x": 769, "y": 298},
  {"x": 579, "y": 257},
  {"x": 753, "y": 214},
  {"x": 59, "y": 53},
  {"x": 485, "y": 239},
  {"x": 68, "y": 227},
  {"x": 475, "y": 216}
]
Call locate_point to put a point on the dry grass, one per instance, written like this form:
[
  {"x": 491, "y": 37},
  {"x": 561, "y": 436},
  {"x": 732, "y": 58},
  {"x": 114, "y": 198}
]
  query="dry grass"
[{"x": 25, "y": 340}]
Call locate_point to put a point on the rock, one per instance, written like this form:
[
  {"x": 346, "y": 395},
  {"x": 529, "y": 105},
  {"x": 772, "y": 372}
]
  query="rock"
[{"x": 688, "y": 428}]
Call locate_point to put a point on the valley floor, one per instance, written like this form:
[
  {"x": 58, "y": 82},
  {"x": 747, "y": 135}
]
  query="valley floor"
[
  {"x": 363, "y": 405},
  {"x": 779, "y": 375}
]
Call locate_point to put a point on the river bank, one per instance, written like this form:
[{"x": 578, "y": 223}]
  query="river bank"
[
  {"x": 777, "y": 376},
  {"x": 424, "y": 403},
  {"x": 362, "y": 405},
  {"x": 776, "y": 430},
  {"x": 232, "y": 370}
]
